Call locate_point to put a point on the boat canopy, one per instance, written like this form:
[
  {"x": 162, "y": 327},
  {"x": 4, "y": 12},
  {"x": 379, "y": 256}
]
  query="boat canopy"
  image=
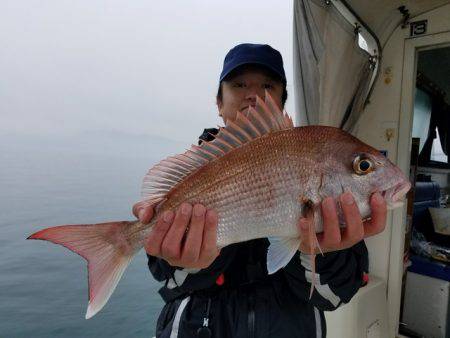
[
  {"x": 384, "y": 16},
  {"x": 337, "y": 48}
]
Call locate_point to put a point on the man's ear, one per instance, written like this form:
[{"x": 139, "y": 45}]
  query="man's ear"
[
  {"x": 219, "y": 105},
  {"x": 219, "y": 102}
]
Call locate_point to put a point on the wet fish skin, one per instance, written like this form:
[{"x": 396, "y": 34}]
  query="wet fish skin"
[
  {"x": 259, "y": 190},
  {"x": 260, "y": 174}
]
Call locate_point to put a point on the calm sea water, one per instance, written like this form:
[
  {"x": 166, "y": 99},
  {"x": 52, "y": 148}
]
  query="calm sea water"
[{"x": 43, "y": 287}]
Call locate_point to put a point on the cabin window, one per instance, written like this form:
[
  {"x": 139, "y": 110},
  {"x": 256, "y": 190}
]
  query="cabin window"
[
  {"x": 431, "y": 121},
  {"x": 362, "y": 43},
  {"x": 437, "y": 153},
  {"x": 422, "y": 116}
]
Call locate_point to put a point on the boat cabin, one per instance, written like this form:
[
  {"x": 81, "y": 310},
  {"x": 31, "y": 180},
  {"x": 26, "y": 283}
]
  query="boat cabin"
[{"x": 381, "y": 70}]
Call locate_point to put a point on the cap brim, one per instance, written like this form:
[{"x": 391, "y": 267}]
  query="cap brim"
[{"x": 224, "y": 75}]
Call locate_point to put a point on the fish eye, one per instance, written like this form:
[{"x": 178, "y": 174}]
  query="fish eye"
[{"x": 362, "y": 166}]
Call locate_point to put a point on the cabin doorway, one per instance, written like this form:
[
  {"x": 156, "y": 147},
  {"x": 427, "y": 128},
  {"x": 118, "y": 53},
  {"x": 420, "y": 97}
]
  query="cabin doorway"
[{"x": 425, "y": 130}]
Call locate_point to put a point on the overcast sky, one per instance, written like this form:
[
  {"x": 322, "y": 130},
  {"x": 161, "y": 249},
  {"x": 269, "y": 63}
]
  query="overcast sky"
[{"x": 138, "y": 67}]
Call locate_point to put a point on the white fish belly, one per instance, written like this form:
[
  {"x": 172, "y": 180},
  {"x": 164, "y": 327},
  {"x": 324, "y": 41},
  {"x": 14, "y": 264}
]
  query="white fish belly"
[{"x": 256, "y": 204}]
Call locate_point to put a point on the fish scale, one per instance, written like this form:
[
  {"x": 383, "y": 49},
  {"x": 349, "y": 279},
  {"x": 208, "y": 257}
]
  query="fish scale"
[
  {"x": 260, "y": 174},
  {"x": 266, "y": 202}
]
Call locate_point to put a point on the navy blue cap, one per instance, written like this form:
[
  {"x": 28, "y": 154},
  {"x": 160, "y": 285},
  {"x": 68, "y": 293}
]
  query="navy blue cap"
[{"x": 249, "y": 53}]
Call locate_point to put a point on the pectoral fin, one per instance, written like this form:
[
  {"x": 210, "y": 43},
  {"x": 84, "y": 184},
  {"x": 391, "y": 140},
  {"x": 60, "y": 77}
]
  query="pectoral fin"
[{"x": 280, "y": 252}]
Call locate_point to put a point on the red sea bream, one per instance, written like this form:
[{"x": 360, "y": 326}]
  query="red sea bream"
[{"x": 260, "y": 174}]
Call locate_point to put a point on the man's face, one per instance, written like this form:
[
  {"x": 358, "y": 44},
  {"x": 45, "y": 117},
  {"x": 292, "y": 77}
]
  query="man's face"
[{"x": 240, "y": 91}]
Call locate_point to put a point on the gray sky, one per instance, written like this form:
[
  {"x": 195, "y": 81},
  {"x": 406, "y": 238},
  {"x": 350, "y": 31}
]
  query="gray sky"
[{"x": 138, "y": 67}]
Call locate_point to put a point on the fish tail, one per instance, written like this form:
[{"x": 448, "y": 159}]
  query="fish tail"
[{"x": 106, "y": 249}]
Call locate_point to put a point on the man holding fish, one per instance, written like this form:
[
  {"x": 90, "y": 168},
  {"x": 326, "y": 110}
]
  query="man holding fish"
[
  {"x": 229, "y": 292},
  {"x": 230, "y": 225}
]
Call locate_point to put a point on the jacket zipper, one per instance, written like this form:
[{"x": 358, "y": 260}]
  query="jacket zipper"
[{"x": 251, "y": 316}]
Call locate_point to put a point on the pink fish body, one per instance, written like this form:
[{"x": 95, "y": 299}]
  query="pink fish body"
[{"x": 260, "y": 174}]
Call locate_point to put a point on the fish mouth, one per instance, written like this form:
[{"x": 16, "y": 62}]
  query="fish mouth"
[{"x": 394, "y": 196}]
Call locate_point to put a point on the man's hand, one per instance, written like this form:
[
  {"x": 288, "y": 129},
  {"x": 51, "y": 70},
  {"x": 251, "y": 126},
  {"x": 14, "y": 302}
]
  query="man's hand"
[
  {"x": 333, "y": 238},
  {"x": 186, "y": 238}
]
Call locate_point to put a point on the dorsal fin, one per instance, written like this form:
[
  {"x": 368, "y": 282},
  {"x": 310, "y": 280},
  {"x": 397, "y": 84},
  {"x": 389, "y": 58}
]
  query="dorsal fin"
[{"x": 265, "y": 118}]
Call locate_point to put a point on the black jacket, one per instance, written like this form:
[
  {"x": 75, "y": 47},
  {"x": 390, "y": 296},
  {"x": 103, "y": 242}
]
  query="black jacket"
[{"x": 235, "y": 297}]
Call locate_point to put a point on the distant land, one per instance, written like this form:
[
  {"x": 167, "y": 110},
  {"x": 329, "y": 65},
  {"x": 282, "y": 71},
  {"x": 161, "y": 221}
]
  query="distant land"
[{"x": 114, "y": 143}]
